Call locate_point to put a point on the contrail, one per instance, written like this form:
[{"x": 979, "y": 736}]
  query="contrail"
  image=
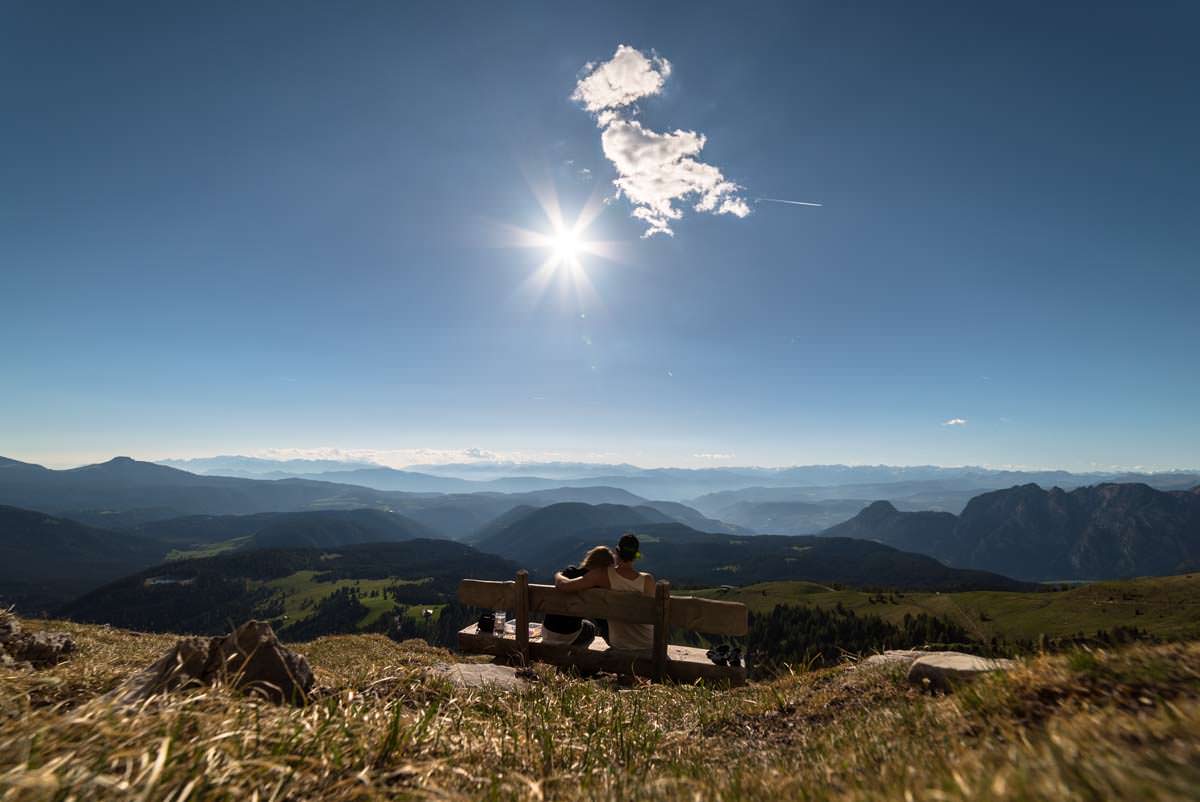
[{"x": 793, "y": 203}]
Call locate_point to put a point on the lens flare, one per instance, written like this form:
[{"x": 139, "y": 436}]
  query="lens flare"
[{"x": 567, "y": 247}]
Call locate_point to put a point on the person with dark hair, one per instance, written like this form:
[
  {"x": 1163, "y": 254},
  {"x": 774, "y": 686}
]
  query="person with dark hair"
[
  {"x": 620, "y": 577},
  {"x": 571, "y": 630}
]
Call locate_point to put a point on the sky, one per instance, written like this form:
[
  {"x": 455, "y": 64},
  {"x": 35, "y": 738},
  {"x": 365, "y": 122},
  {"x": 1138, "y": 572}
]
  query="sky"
[{"x": 287, "y": 228}]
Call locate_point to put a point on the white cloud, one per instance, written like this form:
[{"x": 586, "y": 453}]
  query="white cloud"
[
  {"x": 714, "y": 457},
  {"x": 393, "y": 458},
  {"x": 955, "y": 422},
  {"x": 654, "y": 170},
  {"x": 625, "y": 78}
]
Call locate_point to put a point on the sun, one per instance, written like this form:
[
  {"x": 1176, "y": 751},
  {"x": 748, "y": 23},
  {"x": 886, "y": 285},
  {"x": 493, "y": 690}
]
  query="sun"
[
  {"x": 565, "y": 245},
  {"x": 568, "y": 248}
]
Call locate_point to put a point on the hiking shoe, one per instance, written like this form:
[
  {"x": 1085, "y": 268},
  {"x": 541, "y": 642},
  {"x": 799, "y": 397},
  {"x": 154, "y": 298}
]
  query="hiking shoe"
[{"x": 720, "y": 655}]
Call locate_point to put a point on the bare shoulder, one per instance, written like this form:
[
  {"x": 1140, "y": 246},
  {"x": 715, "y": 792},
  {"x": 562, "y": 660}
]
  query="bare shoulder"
[
  {"x": 599, "y": 578},
  {"x": 648, "y": 579}
]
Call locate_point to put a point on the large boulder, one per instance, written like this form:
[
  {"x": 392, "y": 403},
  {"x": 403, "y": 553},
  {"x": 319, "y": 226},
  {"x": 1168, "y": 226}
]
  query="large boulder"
[
  {"x": 250, "y": 659},
  {"x": 943, "y": 670}
]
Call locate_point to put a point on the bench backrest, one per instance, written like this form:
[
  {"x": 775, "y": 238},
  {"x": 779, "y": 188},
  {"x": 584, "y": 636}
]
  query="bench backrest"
[{"x": 707, "y": 616}]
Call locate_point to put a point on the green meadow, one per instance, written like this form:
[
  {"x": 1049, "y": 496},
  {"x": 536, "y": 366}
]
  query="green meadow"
[{"x": 1166, "y": 607}]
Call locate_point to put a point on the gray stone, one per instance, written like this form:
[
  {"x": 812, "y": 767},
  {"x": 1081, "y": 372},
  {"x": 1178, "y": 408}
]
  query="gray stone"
[
  {"x": 480, "y": 675},
  {"x": 892, "y": 657},
  {"x": 943, "y": 670}
]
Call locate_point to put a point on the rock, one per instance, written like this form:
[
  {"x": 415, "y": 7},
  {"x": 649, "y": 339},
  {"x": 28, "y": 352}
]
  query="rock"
[
  {"x": 10, "y": 626},
  {"x": 37, "y": 649},
  {"x": 943, "y": 670},
  {"x": 892, "y": 657},
  {"x": 251, "y": 659},
  {"x": 480, "y": 675},
  {"x": 40, "y": 649}
]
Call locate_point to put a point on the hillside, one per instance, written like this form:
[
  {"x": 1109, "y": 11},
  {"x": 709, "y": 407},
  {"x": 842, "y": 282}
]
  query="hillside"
[
  {"x": 1118, "y": 725},
  {"x": 689, "y": 558},
  {"x": 44, "y": 560},
  {"x": 50, "y": 560},
  {"x": 355, "y": 584},
  {"x": 527, "y": 539},
  {"x": 549, "y": 538},
  {"x": 1162, "y": 607},
  {"x": 1101, "y": 532},
  {"x": 314, "y": 529}
]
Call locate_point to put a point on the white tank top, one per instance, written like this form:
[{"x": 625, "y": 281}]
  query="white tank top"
[{"x": 622, "y": 634}]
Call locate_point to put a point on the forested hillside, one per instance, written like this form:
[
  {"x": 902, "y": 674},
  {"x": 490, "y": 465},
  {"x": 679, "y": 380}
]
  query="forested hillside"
[{"x": 202, "y": 595}]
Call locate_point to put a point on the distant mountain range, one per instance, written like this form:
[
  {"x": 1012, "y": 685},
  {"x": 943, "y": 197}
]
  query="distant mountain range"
[
  {"x": 547, "y": 539},
  {"x": 123, "y": 493},
  {"x": 99, "y": 522},
  {"x": 920, "y": 485},
  {"x": 1103, "y": 532}
]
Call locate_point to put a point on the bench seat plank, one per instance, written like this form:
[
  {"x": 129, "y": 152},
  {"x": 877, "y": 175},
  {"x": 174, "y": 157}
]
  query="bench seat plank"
[{"x": 684, "y": 663}]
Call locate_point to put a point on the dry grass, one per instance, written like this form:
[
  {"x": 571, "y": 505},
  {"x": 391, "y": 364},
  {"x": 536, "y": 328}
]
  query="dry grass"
[{"x": 1123, "y": 725}]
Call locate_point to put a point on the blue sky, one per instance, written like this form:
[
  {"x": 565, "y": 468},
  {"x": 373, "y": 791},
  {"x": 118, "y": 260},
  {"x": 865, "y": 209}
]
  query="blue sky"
[{"x": 235, "y": 229}]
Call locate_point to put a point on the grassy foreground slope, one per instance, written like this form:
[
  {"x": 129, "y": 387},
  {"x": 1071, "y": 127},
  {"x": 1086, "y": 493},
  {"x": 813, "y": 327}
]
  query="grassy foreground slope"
[
  {"x": 1092, "y": 725},
  {"x": 1167, "y": 607}
]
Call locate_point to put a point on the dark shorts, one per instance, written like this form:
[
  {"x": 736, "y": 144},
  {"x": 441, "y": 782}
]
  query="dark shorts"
[{"x": 587, "y": 633}]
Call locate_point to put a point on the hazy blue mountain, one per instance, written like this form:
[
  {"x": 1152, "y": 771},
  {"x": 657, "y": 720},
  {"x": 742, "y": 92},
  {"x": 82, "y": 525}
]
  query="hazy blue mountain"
[
  {"x": 945, "y": 495},
  {"x": 932, "y": 486},
  {"x": 123, "y": 484},
  {"x": 789, "y": 517},
  {"x": 406, "y": 481},
  {"x": 1099, "y": 532},
  {"x": 124, "y": 492},
  {"x": 697, "y": 520},
  {"x": 236, "y": 465}
]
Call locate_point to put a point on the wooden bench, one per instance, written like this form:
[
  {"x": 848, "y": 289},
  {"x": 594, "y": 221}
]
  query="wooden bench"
[{"x": 663, "y": 611}]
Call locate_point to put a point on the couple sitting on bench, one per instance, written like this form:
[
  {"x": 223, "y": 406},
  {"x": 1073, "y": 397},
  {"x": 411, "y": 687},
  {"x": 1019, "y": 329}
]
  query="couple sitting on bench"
[{"x": 602, "y": 568}]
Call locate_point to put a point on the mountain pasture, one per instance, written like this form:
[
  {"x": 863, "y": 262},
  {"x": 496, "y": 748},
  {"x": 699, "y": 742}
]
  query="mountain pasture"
[{"x": 1164, "y": 607}]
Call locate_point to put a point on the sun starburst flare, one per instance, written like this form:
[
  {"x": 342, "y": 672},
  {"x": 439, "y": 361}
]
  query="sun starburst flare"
[{"x": 567, "y": 248}]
